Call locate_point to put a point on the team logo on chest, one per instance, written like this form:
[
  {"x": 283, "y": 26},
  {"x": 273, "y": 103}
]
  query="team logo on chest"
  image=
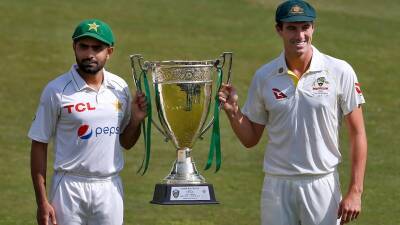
[
  {"x": 320, "y": 86},
  {"x": 118, "y": 105}
]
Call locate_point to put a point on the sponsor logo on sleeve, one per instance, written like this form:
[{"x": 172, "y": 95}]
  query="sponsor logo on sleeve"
[
  {"x": 278, "y": 94},
  {"x": 358, "y": 88}
]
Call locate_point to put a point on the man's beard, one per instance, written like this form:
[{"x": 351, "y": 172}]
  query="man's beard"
[{"x": 88, "y": 68}]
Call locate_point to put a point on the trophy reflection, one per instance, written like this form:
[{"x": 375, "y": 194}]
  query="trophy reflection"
[{"x": 183, "y": 93}]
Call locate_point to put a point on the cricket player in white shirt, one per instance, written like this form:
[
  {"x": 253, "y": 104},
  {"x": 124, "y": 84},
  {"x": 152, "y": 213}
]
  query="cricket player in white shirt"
[
  {"x": 301, "y": 98},
  {"x": 90, "y": 114}
]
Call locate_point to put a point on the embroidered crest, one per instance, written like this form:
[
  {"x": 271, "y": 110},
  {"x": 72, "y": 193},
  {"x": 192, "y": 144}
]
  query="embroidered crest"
[
  {"x": 320, "y": 86},
  {"x": 296, "y": 10}
]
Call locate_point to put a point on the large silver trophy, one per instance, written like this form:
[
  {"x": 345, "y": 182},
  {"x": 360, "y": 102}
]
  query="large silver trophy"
[{"x": 183, "y": 92}]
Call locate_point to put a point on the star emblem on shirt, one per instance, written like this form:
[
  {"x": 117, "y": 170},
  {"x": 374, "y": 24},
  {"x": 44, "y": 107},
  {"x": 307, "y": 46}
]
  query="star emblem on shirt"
[
  {"x": 118, "y": 106},
  {"x": 93, "y": 26}
]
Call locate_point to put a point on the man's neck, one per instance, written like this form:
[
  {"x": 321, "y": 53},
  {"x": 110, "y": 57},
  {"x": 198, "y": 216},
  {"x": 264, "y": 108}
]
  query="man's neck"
[
  {"x": 299, "y": 64},
  {"x": 92, "y": 80}
]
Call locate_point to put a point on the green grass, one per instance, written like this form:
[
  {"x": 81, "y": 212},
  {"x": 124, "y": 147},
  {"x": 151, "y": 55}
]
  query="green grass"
[{"x": 36, "y": 47}]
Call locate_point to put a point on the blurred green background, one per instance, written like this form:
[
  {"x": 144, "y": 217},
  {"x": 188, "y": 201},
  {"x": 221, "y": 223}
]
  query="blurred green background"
[{"x": 35, "y": 47}]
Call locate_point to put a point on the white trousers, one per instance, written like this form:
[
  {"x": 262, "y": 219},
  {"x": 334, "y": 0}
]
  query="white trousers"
[
  {"x": 300, "y": 200},
  {"x": 79, "y": 200}
]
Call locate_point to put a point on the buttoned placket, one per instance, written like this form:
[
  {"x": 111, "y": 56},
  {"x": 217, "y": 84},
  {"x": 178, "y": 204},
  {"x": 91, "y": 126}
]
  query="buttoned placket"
[
  {"x": 100, "y": 92},
  {"x": 300, "y": 83}
]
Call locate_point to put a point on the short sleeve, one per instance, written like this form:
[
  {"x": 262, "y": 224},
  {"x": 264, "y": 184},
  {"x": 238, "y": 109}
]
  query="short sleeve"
[
  {"x": 128, "y": 112},
  {"x": 254, "y": 107},
  {"x": 350, "y": 94},
  {"x": 44, "y": 123}
]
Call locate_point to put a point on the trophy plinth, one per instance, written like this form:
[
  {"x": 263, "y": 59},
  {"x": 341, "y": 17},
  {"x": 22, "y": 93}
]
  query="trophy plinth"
[
  {"x": 184, "y": 185},
  {"x": 184, "y": 194},
  {"x": 183, "y": 95}
]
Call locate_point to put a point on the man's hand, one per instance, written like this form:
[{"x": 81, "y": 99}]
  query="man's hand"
[
  {"x": 248, "y": 132},
  {"x": 349, "y": 207},
  {"x": 131, "y": 132},
  {"x": 46, "y": 213},
  {"x": 139, "y": 108},
  {"x": 228, "y": 97}
]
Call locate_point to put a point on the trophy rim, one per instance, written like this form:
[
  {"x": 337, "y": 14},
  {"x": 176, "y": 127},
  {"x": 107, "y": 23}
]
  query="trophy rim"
[{"x": 181, "y": 63}]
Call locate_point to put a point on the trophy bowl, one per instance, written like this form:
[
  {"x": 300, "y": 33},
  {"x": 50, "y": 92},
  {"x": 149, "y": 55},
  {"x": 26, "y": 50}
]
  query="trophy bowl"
[{"x": 183, "y": 93}]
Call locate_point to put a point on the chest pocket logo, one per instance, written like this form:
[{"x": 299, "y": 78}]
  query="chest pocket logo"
[{"x": 320, "y": 86}]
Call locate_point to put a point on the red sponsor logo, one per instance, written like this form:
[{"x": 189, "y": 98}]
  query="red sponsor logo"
[
  {"x": 79, "y": 107},
  {"x": 278, "y": 93},
  {"x": 358, "y": 88},
  {"x": 84, "y": 132}
]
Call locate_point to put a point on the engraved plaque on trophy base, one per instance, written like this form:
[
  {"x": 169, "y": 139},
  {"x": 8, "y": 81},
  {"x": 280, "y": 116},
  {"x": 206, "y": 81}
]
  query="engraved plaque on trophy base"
[{"x": 187, "y": 194}]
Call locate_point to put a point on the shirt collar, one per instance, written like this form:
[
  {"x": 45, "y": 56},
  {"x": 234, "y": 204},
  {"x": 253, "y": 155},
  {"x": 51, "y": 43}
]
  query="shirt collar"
[
  {"x": 81, "y": 84},
  {"x": 315, "y": 66}
]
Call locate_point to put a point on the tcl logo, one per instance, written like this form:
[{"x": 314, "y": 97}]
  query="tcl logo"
[{"x": 79, "y": 107}]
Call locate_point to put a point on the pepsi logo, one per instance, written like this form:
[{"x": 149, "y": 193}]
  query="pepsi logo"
[{"x": 84, "y": 132}]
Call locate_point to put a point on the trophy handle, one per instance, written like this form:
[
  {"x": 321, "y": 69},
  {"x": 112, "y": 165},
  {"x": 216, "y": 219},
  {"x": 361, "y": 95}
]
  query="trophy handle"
[
  {"x": 225, "y": 57},
  {"x": 137, "y": 59}
]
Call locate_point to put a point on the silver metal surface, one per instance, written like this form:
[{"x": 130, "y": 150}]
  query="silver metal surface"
[
  {"x": 184, "y": 170},
  {"x": 183, "y": 95}
]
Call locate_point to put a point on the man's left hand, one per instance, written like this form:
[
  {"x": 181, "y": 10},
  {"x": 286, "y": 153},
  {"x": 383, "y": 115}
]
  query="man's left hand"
[{"x": 349, "y": 207}]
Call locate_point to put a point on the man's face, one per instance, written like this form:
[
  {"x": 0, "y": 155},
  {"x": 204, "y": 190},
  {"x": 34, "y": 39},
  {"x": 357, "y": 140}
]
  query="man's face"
[
  {"x": 296, "y": 37},
  {"x": 91, "y": 55}
]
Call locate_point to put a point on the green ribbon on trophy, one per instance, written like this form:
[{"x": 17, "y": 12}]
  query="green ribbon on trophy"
[
  {"x": 146, "y": 129},
  {"x": 215, "y": 145}
]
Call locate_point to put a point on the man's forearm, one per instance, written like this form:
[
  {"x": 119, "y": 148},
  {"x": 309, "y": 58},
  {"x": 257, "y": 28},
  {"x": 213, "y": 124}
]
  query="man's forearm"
[
  {"x": 248, "y": 132},
  {"x": 130, "y": 135},
  {"x": 358, "y": 163},
  {"x": 38, "y": 170},
  {"x": 358, "y": 150}
]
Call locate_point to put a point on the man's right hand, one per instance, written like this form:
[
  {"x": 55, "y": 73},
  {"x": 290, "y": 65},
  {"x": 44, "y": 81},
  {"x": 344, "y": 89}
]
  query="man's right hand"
[
  {"x": 248, "y": 132},
  {"x": 228, "y": 97},
  {"x": 46, "y": 213}
]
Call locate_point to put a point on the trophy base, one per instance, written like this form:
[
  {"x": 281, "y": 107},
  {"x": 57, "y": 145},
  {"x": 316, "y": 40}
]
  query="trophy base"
[{"x": 184, "y": 194}]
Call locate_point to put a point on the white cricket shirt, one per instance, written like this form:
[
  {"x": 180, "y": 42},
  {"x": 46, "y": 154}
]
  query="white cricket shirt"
[
  {"x": 85, "y": 124},
  {"x": 303, "y": 116}
]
